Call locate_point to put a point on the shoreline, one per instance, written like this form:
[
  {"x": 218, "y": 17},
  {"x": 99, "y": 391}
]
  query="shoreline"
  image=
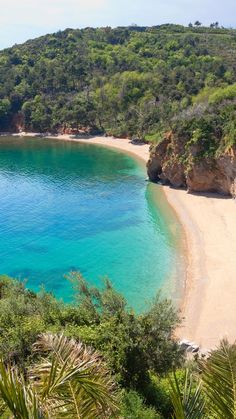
[{"x": 209, "y": 224}]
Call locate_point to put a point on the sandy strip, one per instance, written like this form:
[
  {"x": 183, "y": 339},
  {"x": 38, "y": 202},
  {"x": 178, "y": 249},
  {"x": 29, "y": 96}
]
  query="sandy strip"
[
  {"x": 123, "y": 144},
  {"x": 209, "y": 305}
]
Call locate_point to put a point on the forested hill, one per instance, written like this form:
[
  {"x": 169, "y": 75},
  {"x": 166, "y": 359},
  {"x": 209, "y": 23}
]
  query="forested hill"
[{"x": 132, "y": 81}]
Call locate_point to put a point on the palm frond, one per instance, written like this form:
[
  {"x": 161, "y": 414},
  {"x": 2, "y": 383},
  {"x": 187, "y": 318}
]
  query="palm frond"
[
  {"x": 74, "y": 376},
  {"x": 17, "y": 395},
  {"x": 188, "y": 403},
  {"x": 219, "y": 380}
]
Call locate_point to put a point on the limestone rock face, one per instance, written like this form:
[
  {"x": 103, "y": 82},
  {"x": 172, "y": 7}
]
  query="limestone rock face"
[
  {"x": 174, "y": 172},
  {"x": 155, "y": 162},
  {"x": 227, "y": 164},
  {"x": 171, "y": 164},
  {"x": 164, "y": 163}
]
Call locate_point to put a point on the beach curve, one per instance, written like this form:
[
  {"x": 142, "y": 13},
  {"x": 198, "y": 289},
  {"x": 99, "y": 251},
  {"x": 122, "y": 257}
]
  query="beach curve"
[{"x": 209, "y": 222}]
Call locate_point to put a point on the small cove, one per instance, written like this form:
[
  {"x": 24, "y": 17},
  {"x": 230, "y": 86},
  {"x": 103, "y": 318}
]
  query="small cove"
[{"x": 69, "y": 206}]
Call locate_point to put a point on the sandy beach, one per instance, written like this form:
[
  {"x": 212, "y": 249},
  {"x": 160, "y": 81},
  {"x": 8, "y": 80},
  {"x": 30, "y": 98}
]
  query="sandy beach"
[{"x": 209, "y": 222}]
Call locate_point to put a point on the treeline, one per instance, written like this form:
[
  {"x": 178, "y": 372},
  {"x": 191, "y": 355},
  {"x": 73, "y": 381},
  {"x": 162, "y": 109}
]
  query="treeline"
[{"x": 135, "y": 81}]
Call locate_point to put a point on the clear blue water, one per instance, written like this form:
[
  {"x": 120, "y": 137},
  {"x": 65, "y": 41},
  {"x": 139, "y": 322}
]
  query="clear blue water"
[{"x": 66, "y": 206}]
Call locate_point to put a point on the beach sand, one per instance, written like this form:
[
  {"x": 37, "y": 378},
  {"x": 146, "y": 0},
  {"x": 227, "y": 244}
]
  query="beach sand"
[{"x": 209, "y": 222}]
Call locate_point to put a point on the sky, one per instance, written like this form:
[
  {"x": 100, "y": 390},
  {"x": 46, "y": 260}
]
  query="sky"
[{"x": 26, "y": 19}]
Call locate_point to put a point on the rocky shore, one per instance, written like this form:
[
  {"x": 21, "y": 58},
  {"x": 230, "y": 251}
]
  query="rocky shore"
[{"x": 171, "y": 163}]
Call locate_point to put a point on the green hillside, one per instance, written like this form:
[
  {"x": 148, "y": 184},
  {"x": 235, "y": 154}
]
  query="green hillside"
[{"x": 135, "y": 81}]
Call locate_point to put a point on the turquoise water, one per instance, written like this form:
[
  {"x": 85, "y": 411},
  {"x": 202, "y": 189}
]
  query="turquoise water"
[{"x": 66, "y": 206}]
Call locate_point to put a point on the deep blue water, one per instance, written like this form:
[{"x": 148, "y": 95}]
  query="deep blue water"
[{"x": 66, "y": 206}]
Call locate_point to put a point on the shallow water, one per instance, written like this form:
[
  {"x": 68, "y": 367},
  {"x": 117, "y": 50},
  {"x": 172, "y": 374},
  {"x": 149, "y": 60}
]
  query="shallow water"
[{"x": 68, "y": 206}]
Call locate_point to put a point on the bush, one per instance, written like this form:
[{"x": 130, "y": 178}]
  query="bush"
[{"x": 133, "y": 407}]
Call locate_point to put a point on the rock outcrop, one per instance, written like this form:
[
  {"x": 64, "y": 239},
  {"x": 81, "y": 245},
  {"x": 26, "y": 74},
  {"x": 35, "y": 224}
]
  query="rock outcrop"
[{"x": 171, "y": 162}]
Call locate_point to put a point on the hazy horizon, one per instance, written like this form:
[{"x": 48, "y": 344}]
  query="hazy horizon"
[{"x": 20, "y": 21}]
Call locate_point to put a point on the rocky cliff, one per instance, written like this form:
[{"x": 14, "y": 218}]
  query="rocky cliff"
[{"x": 173, "y": 163}]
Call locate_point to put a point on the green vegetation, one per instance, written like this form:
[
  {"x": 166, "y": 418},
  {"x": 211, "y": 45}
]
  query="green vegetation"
[
  {"x": 135, "y": 370},
  {"x": 210, "y": 391},
  {"x": 135, "y": 347},
  {"x": 68, "y": 380},
  {"x": 136, "y": 82}
]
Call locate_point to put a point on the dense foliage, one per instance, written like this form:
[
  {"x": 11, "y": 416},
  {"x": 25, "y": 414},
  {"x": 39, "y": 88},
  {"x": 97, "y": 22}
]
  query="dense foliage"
[
  {"x": 58, "y": 376},
  {"x": 67, "y": 380},
  {"x": 135, "y": 346},
  {"x": 135, "y": 81}
]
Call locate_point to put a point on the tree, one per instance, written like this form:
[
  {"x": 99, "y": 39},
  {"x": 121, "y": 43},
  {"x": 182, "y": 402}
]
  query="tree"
[
  {"x": 197, "y": 23},
  {"x": 214, "y": 25},
  {"x": 133, "y": 344},
  {"x": 69, "y": 380},
  {"x": 219, "y": 380},
  {"x": 5, "y": 106},
  {"x": 210, "y": 393},
  {"x": 188, "y": 403}
]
